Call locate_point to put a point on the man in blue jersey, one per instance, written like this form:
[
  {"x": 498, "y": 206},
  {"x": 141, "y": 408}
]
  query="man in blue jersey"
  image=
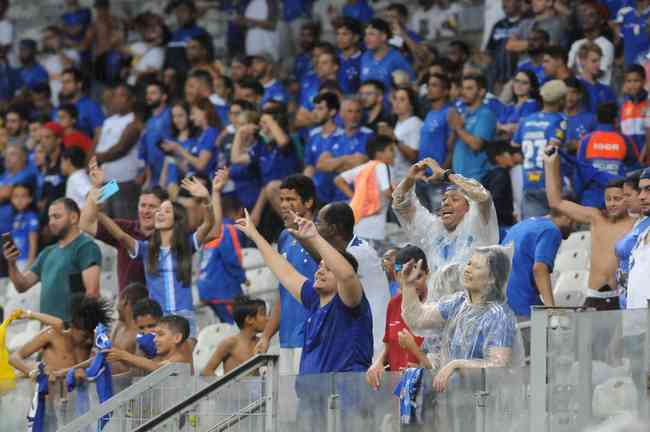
[
  {"x": 263, "y": 71},
  {"x": 579, "y": 121},
  {"x": 534, "y": 133},
  {"x": 380, "y": 61},
  {"x": 186, "y": 15},
  {"x": 327, "y": 67},
  {"x": 31, "y": 72},
  {"x": 321, "y": 139},
  {"x": 91, "y": 117},
  {"x": 297, "y": 196},
  {"x": 536, "y": 241},
  {"x": 633, "y": 28},
  {"x": 302, "y": 64},
  {"x": 75, "y": 22},
  {"x": 158, "y": 127},
  {"x": 537, "y": 42},
  {"x": 348, "y": 35},
  {"x": 349, "y": 150},
  {"x": 435, "y": 137},
  {"x": 475, "y": 127}
]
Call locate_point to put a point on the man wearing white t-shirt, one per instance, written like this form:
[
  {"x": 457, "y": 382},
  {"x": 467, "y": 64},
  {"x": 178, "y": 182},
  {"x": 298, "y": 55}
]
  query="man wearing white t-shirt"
[
  {"x": 592, "y": 26},
  {"x": 78, "y": 184},
  {"x": 406, "y": 132},
  {"x": 117, "y": 152}
]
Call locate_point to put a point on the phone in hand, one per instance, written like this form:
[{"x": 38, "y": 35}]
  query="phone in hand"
[
  {"x": 550, "y": 151},
  {"x": 6, "y": 238},
  {"x": 108, "y": 190},
  {"x": 160, "y": 143}
]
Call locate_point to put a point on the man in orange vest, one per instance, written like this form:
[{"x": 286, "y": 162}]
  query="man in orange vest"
[{"x": 604, "y": 151}]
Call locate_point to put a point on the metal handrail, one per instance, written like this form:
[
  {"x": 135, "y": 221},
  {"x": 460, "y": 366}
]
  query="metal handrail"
[
  {"x": 150, "y": 381},
  {"x": 242, "y": 370}
]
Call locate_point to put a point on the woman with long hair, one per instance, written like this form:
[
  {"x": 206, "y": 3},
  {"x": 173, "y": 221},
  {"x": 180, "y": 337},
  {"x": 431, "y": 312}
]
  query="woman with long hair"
[
  {"x": 183, "y": 133},
  {"x": 525, "y": 101},
  {"x": 167, "y": 254},
  {"x": 200, "y": 158}
]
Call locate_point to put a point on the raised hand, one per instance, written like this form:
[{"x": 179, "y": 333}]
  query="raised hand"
[
  {"x": 417, "y": 171},
  {"x": 95, "y": 173},
  {"x": 195, "y": 187},
  {"x": 220, "y": 179},
  {"x": 10, "y": 251},
  {"x": 306, "y": 228},
  {"x": 437, "y": 171},
  {"x": 410, "y": 273},
  {"x": 246, "y": 226}
]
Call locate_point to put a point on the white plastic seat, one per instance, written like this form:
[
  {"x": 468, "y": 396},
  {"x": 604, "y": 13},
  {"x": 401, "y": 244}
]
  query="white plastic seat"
[
  {"x": 572, "y": 260},
  {"x": 571, "y": 288},
  {"x": 260, "y": 281},
  {"x": 207, "y": 342},
  {"x": 579, "y": 240},
  {"x": 252, "y": 258}
]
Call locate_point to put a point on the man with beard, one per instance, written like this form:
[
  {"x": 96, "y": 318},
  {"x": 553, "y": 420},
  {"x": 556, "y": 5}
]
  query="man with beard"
[
  {"x": 263, "y": 71},
  {"x": 71, "y": 265},
  {"x": 608, "y": 226},
  {"x": 90, "y": 115},
  {"x": 157, "y": 128},
  {"x": 322, "y": 139},
  {"x": 372, "y": 94},
  {"x": 128, "y": 270},
  {"x": 309, "y": 35},
  {"x": 537, "y": 42},
  {"x": 350, "y": 150},
  {"x": 297, "y": 197}
]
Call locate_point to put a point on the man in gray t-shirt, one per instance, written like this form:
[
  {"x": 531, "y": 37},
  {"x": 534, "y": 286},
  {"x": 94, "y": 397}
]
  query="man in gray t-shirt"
[{"x": 544, "y": 18}]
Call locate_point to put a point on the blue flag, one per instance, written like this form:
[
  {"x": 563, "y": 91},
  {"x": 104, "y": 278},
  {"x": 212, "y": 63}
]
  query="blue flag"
[
  {"x": 407, "y": 391},
  {"x": 36, "y": 416},
  {"x": 100, "y": 371}
]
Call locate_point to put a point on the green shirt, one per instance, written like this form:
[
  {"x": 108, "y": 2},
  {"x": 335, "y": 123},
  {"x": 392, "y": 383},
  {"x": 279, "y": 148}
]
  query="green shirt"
[{"x": 59, "y": 270}]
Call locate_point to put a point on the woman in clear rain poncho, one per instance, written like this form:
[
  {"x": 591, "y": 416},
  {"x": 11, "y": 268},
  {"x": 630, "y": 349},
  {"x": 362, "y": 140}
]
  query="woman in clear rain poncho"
[
  {"x": 478, "y": 328},
  {"x": 466, "y": 220}
]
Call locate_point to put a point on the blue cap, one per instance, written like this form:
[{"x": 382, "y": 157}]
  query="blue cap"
[{"x": 645, "y": 174}]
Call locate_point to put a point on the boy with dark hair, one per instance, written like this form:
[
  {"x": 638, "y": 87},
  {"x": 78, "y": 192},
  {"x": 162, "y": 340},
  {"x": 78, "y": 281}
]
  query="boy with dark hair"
[
  {"x": 497, "y": 181},
  {"x": 146, "y": 314},
  {"x": 633, "y": 114},
  {"x": 250, "y": 316},
  {"x": 372, "y": 190},
  {"x": 171, "y": 333},
  {"x": 63, "y": 344}
]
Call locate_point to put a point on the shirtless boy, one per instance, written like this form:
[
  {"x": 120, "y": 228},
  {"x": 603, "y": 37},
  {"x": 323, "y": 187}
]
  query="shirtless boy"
[
  {"x": 62, "y": 345},
  {"x": 171, "y": 333},
  {"x": 607, "y": 227},
  {"x": 250, "y": 316}
]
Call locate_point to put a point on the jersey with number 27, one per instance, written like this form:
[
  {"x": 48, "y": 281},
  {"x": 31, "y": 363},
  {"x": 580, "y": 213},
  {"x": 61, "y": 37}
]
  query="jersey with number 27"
[{"x": 535, "y": 132}]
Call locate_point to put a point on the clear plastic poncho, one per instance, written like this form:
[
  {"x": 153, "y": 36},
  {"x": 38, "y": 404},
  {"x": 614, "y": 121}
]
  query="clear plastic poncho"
[
  {"x": 482, "y": 337},
  {"x": 442, "y": 247}
]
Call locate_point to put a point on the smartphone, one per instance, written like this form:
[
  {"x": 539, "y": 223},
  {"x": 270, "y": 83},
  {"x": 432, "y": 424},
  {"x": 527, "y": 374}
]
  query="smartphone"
[
  {"x": 6, "y": 238},
  {"x": 107, "y": 191},
  {"x": 160, "y": 147},
  {"x": 550, "y": 151}
]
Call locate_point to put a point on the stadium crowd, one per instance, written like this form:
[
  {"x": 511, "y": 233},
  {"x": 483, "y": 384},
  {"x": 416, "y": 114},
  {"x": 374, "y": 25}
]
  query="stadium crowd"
[{"x": 325, "y": 131}]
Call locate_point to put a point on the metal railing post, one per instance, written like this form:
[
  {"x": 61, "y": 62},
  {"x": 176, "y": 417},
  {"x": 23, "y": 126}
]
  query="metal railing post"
[
  {"x": 481, "y": 398},
  {"x": 271, "y": 389},
  {"x": 585, "y": 355},
  {"x": 538, "y": 371}
]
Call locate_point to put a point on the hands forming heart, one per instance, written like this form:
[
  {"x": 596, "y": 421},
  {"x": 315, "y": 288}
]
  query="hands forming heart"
[{"x": 419, "y": 169}]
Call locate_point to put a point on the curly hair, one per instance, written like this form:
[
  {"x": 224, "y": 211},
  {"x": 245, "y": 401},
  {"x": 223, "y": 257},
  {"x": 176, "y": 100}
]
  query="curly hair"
[{"x": 87, "y": 312}]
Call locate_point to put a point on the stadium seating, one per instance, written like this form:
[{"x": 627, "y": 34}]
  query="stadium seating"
[
  {"x": 570, "y": 288},
  {"x": 572, "y": 259},
  {"x": 578, "y": 240}
]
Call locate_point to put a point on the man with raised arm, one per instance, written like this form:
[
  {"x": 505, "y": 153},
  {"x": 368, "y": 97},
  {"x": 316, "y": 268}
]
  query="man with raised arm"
[
  {"x": 608, "y": 226},
  {"x": 338, "y": 328},
  {"x": 466, "y": 220}
]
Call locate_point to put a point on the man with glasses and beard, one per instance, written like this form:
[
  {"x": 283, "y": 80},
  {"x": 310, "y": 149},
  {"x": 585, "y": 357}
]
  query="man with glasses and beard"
[{"x": 70, "y": 265}]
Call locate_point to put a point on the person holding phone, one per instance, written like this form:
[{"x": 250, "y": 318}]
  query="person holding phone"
[
  {"x": 201, "y": 156},
  {"x": 183, "y": 134}
]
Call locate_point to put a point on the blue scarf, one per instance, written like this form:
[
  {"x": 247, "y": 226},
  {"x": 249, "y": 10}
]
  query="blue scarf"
[
  {"x": 100, "y": 371},
  {"x": 146, "y": 344},
  {"x": 407, "y": 391},
  {"x": 36, "y": 416}
]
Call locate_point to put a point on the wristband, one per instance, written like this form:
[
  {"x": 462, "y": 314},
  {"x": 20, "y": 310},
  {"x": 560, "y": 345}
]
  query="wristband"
[{"x": 446, "y": 174}]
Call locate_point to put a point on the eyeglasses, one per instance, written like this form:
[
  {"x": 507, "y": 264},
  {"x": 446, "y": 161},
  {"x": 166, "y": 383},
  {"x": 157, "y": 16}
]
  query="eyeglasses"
[{"x": 523, "y": 82}]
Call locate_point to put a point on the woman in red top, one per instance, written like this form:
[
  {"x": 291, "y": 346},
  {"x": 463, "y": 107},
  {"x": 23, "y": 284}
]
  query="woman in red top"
[{"x": 401, "y": 348}]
